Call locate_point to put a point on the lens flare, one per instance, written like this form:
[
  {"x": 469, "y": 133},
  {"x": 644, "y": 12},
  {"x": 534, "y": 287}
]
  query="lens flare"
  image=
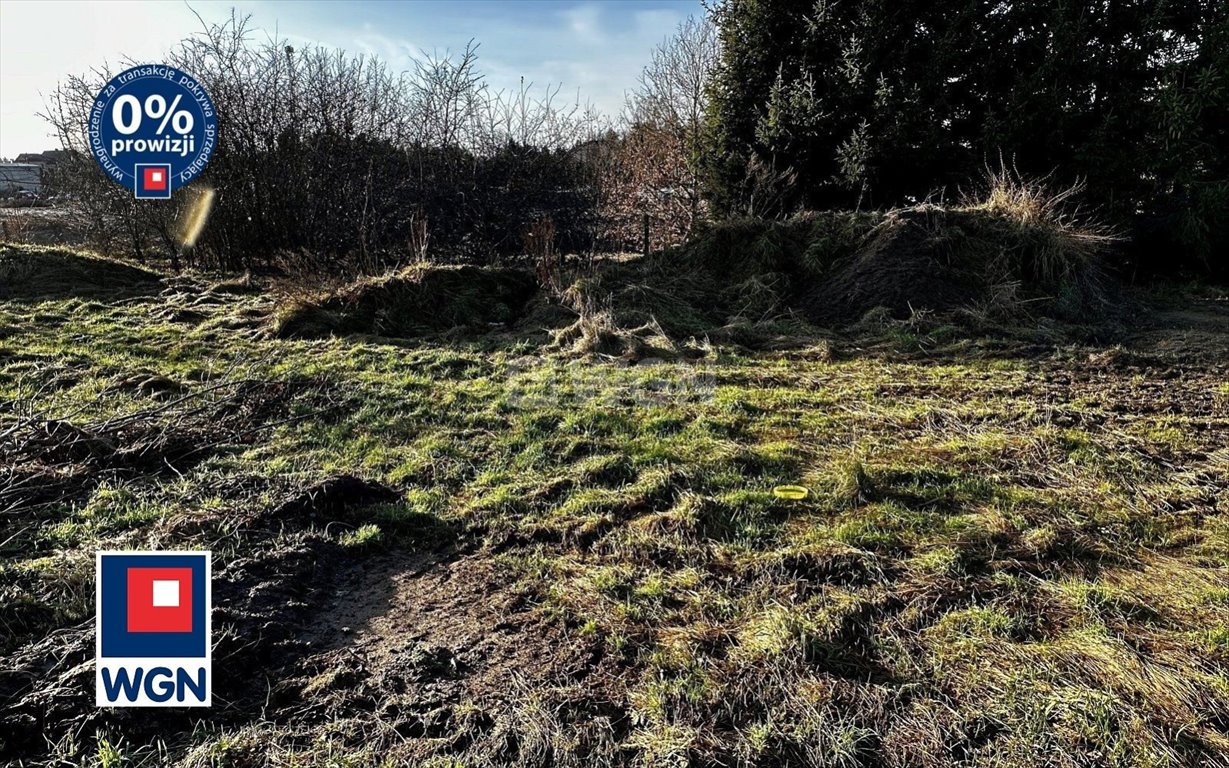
[{"x": 195, "y": 215}]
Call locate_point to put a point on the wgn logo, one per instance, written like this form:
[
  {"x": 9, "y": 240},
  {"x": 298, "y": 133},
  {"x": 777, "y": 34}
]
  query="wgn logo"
[{"x": 152, "y": 647}]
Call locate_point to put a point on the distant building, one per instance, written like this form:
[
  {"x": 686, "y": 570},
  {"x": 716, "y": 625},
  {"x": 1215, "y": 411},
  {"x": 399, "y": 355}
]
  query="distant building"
[
  {"x": 21, "y": 177},
  {"x": 50, "y": 157},
  {"x": 28, "y": 172}
]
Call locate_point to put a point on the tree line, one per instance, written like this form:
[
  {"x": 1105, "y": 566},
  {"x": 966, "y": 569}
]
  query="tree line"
[
  {"x": 333, "y": 163},
  {"x": 330, "y": 162},
  {"x": 839, "y": 104}
]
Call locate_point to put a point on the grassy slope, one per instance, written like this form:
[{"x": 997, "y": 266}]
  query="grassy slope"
[{"x": 1009, "y": 562}]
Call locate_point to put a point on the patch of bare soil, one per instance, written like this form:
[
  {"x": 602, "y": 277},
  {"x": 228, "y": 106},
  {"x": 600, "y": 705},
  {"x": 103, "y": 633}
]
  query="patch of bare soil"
[
  {"x": 48, "y": 461},
  {"x": 417, "y": 652},
  {"x": 434, "y": 656},
  {"x": 262, "y": 604},
  {"x": 265, "y": 599}
]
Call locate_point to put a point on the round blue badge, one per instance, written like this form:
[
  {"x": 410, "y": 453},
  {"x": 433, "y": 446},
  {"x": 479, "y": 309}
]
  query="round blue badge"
[{"x": 153, "y": 129}]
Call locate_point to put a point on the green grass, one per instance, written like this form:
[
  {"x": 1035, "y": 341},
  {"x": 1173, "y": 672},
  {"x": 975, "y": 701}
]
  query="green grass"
[{"x": 972, "y": 577}]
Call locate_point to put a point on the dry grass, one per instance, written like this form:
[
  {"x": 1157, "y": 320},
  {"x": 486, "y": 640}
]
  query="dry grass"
[
  {"x": 40, "y": 271},
  {"x": 1065, "y": 241}
]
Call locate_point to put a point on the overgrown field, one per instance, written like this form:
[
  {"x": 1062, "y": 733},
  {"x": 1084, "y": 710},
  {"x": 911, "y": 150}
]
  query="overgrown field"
[{"x": 484, "y": 549}]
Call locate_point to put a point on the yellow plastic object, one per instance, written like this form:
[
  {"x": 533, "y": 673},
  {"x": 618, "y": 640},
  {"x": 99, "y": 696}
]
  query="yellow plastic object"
[{"x": 792, "y": 492}]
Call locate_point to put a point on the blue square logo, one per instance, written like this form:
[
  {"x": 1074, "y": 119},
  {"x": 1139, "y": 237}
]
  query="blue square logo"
[
  {"x": 136, "y": 618},
  {"x": 153, "y": 628}
]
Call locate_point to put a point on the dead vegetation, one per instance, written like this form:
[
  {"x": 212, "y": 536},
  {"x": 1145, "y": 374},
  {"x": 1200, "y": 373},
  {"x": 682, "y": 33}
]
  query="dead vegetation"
[
  {"x": 1017, "y": 255},
  {"x": 419, "y": 299},
  {"x": 43, "y": 457},
  {"x": 35, "y": 271}
]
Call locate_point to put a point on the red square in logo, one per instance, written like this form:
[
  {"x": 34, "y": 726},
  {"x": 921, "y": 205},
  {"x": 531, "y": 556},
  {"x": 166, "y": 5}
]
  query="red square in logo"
[
  {"x": 159, "y": 599},
  {"x": 155, "y": 178}
]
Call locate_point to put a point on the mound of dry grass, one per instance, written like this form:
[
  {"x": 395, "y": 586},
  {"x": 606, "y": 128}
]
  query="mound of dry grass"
[
  {"x": 39, "y": 272},
  {"x": 1018, "y": 252},
  {"x": 1019, "y": 249},
  {"x": 1062, "y": 242},
  {"x": 415, "y": 301}
]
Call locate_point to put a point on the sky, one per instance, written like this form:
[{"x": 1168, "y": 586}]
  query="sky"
[{"x": 595, "y": 48}]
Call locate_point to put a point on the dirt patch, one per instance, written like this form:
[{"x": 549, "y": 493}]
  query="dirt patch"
[
  {"x": 430, "y": 651},
  {"x": 50, "y": 461},
  {"x": 332, "y": 496},
  {"x": 460, "y": 611},
  {"x": 265, "y": 601},
  {"x": 261, "y": 605},
  {"x": 412, "y": 651},
  {"x": 441, "y": 652}
]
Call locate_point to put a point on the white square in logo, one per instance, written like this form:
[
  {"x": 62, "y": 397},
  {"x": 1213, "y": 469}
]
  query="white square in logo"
[
  {"x": 166, "y": 594},
  {"x": 157, "y": 176}
]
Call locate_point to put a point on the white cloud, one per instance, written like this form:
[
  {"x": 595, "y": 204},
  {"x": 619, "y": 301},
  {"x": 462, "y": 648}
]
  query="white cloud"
[{"x": 585, "y": 22}]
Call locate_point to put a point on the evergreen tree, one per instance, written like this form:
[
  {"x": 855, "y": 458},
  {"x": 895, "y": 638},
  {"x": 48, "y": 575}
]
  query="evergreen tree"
[{"x": 835, "y": 103}]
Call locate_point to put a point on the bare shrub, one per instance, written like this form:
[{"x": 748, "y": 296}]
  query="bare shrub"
[
  {"x": 539, "y": 241},
  {"x": 15, "y": 229},
  {"x": 420, "y": 237},
  {"x": 339, "y": 159},
  {"x": 654, "y": 167}
]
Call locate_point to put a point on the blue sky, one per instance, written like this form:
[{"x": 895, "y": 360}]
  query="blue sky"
[{"x": 596, "y": 47}]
